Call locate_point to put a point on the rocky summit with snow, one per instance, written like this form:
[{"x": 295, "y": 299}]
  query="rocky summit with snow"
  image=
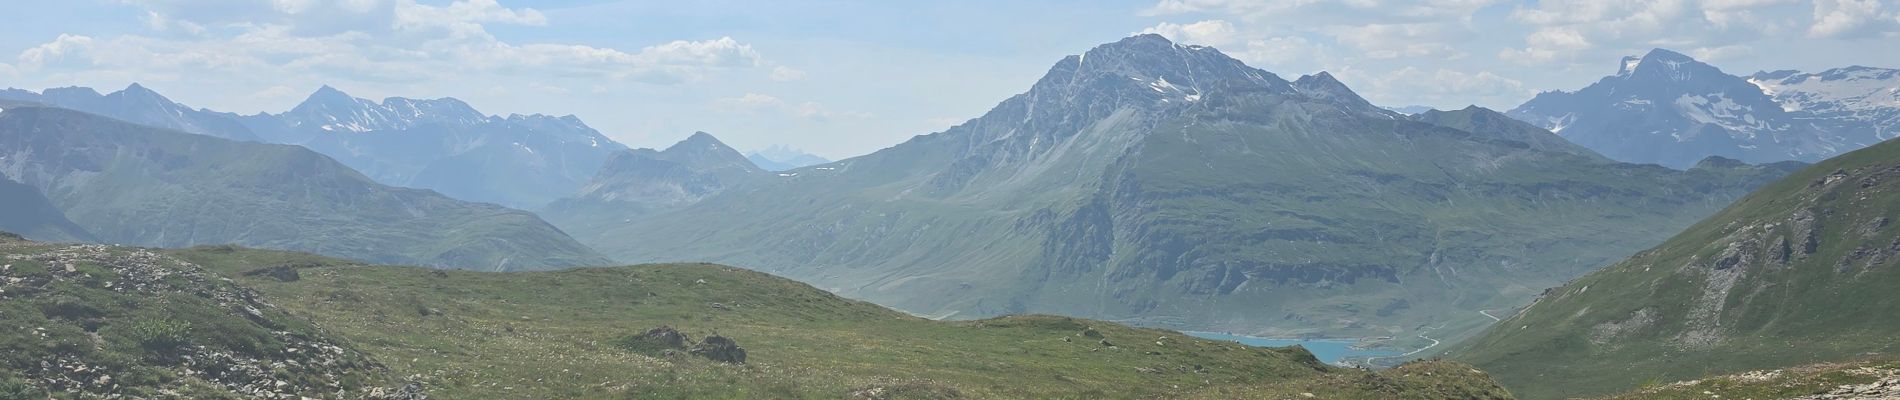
[{"x": 1667, "y": 108}]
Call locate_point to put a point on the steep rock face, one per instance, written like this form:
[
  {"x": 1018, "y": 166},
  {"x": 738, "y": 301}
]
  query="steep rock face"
[
  {"x": 1669, "y": 109},
  {"x": 1801, "y": 271},
  {"x": 131, "y": 184},
  {"x": 1166, "y": 184}
]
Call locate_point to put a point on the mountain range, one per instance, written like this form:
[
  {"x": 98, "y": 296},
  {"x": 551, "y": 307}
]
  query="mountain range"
[
  {"x": 1802, "y": 271},
  {"x": 520, "y": 161},
  {"x": 131, "y": 184},
  {"x": 1667, "y": 108},
  {"x": 782, "y": 158},
  {"x": 642, "y": 182},
  {"x": 1164, "y": 184}
]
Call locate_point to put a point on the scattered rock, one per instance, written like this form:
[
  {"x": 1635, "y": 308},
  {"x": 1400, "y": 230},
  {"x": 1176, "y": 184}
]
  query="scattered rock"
[
  {"x": 719, "y": 348},
  {"x": 665, "y": 336}
]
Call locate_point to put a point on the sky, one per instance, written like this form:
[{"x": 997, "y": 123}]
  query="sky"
[{"x": 844, "y": 78}]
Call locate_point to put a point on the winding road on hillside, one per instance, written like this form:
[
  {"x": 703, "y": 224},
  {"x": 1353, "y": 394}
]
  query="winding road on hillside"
[
  {"x": 1487, "y": 313},
  {"x": 1434, "y": 344}
]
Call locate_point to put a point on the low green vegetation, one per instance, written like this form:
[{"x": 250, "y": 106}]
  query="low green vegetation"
[
  {"x": 1866, "y": 379},
  {"x": 1800, "y": 272},
  {"x": 567, "y": 334}
]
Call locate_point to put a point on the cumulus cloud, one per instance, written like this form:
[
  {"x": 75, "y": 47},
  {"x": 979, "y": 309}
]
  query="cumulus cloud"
[
  {"x": 1719, "y": 53},
  {"x": 785, "y": 74},
  {"x": 1848, "y": 18},
  {"x": 367, "y": 40},
  {"x": 57, "y": 50},
  {"x": 1396, "y": 40},
  {"x": 1211, "y": 32},
  {"x": 1440, "y": 87}
]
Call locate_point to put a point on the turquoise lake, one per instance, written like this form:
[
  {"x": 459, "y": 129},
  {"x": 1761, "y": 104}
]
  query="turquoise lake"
[{"x": 1329, "y": 351}]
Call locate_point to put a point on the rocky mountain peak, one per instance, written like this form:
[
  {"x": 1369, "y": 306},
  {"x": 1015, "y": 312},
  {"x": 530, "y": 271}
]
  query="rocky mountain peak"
[
  {"x": 140, "y": 94},
  {"x": 1163, "y": 67},
  {"x": 703, "y": 146},
  {"x": 1324, "y": 86},
  {"x": 330, "y": 109},
  {"x": 1666, "y": 65}
]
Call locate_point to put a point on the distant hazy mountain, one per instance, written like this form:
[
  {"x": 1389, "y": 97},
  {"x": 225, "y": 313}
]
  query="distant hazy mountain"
[
  {"x": 1158, "y": 183},
  {"x": 1669, "y": 109},
  {"x": 640, "y": 182},
  {"x": 782, "y": 158},
  {"x": 29, "y": 214},
  {"x": 521, "y": 161},
  {"x": 1409, "y": 110},
  {"x": 1805, "y": 270},
  {"x": 140, "y": 105},
  {"x": 138, "y": 185}
]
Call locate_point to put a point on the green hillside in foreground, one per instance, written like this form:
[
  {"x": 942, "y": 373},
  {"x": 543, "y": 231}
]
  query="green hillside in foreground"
[
  {"x": 1802, "y": 271},
  {"x": 571, "y": 334},
  {"x": 1826, "y": 381}
]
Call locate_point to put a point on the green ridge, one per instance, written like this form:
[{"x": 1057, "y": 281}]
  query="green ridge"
[{"x": 1801, "y": 271}]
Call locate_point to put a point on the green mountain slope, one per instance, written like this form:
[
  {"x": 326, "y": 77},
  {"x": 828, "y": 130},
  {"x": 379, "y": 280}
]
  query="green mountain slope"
[
  {"x": 1865, "y": 380},
  {"x": 1803, "y": 270},
  {"x": 29, "y": 214},
  {"x": 566, "y": 334},
  {"x": 640, "y": 182},
  {"x": 1162, "y": 184},
  {"x": 95, "y": 321},
  {"x": 130, "y": 184}
]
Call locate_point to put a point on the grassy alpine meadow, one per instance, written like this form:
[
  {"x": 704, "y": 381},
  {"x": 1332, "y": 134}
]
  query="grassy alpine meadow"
[{"x": 564, "y": 335}]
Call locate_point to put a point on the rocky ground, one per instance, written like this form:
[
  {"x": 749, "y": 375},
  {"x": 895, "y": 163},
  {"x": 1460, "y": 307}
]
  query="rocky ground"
[
  {"x": 1887, "y": 388},
  {"x": 97, "y": 336}
]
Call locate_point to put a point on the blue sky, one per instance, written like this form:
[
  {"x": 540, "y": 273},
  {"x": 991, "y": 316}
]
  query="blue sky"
[{"x": 844, "y": 78}]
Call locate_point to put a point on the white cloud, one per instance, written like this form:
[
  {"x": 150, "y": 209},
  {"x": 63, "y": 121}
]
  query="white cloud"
[
  {"x": 1378, "y": 10},
  {"x": 58, "y": 49},
  {"x": 1438, "y": 87},
  {"x": 1396, "y": 40},
  {"x": 1719, "y": 53},
  {"x": 786, "y": 74},
  {"x": 1847, "y": 18},
  {"x": 368, "y": 40},
  {"x": 1211, "y": 32}
]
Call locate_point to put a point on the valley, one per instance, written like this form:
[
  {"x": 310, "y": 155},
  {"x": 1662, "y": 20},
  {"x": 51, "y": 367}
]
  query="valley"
[{"x": 1156, "y": 199}]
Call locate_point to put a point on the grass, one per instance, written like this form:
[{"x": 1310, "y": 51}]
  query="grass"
[
  {"x": 1794, "y": 382},
  {"x": 1825, "y": 305},
  {"x": 136, "y": 185},
  {"x": 107, "y": 320},
  {"x": 555, "y": 334}
]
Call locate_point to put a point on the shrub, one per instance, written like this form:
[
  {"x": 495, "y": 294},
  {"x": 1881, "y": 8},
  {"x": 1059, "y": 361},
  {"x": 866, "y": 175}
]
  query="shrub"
[{"x": 160, "y": 334}]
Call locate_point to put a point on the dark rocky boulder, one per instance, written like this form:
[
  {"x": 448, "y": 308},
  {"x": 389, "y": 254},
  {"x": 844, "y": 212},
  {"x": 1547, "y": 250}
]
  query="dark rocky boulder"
[{"x": 721, "y": 349}]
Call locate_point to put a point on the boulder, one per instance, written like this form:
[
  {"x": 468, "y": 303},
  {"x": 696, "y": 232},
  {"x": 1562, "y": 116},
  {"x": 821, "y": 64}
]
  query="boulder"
[{"x": 721, "y": 349}]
